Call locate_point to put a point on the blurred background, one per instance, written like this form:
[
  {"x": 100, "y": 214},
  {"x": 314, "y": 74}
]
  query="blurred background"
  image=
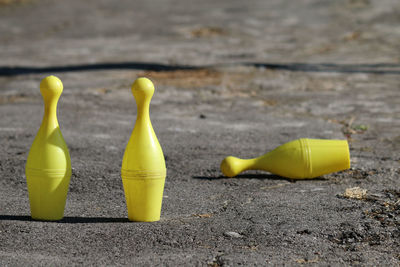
[{"x": 232, "y": 78}]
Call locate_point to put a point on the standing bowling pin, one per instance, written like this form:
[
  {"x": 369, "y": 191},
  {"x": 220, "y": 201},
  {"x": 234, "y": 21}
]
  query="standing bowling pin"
[
  {"x": 298, "y": 159},
  {"x": 143, "y": 166},
  {"x": 48, "y": 167}
]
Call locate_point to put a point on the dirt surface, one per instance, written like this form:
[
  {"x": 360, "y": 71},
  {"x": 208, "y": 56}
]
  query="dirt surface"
[{"x": 232, "y": 78}]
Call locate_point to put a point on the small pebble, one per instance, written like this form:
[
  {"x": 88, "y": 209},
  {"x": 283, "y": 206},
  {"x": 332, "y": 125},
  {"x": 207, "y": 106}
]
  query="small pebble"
[
  {"x": 233, "y": 234},
  {"x": 355, "y": 193}
]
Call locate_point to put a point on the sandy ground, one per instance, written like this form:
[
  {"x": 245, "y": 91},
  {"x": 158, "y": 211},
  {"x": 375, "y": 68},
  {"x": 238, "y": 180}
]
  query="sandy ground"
[{"x": 232, "y": 78}]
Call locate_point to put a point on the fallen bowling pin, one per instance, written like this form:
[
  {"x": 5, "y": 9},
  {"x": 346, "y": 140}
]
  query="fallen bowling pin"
[
  {"x": 298, "y": 159},
  {"x": 143, "y": 166},
  {"x": 48, "y": 167}
]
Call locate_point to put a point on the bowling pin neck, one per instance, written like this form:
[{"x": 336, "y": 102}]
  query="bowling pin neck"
[
  {"x": 50, "y": 113},
  {"x": 143, "y": 108},
  {"x": 245, "y": 163}
]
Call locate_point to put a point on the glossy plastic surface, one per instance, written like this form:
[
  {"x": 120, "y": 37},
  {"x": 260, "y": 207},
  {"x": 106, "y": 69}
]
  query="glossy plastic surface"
[
  {"x": 48, "y": 167},
  {"x": 143, "y": 169},
  {"x": 298, "y": 159}
]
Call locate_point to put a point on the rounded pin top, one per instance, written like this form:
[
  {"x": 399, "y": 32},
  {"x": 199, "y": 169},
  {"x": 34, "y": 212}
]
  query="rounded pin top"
[
  {"x": 229, "y": 166},
  {"x": 143, "y": 87},
  {"x": 51, "y": 86}
]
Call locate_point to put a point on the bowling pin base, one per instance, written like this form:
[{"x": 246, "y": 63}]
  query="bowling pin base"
[
  {"x": 143, "y": 198},
  {"x": 47, "y": 193}
]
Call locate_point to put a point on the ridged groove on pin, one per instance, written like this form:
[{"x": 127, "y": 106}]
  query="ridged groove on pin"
[
  {"x": 53, "y": 173},
  {"x": 305, "y": 147},
  {"x": 143, "y": 174}
]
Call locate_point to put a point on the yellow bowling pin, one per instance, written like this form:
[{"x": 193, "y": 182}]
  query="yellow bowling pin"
[
  {"x": 298, "y": 159},
  {"x": 143, "y": 166},
  {"x": 48, "y": 167}
]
